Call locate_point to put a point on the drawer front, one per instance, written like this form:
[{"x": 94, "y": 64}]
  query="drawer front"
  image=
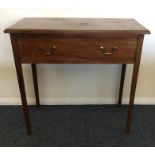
[{"x": 77, "y": 50}]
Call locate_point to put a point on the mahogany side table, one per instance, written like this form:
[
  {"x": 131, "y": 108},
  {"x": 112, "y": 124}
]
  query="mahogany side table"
[{"x": 76, "y": 41}]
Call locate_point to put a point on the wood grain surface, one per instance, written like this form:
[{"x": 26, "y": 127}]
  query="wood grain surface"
[{"x": 77, "y": 26}]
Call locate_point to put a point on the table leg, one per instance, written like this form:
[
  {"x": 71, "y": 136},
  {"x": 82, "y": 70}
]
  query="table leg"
[
  {"x": 23, "y": 96},
  {"x": 121, "y": 84},
  {"x": 134, "y": 83},
  {"x": 132, "y": 96},
  {"x": 35, "y": 82},
  {"x": 20, "y": 78}
]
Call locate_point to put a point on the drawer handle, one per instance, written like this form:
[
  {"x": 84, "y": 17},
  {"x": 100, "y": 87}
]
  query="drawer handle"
[
  {"x": 114, "y": 49},
  {"x": 48, "y": 51}
]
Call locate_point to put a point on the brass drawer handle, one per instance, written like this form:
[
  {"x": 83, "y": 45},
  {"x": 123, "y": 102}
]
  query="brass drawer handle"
[
  {"x": 48, "y": 51},
  {"x": 114, "y": 49}
]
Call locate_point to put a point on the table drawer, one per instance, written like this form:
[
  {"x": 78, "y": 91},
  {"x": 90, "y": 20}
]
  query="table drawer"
[{"x": 77, "y": 50}]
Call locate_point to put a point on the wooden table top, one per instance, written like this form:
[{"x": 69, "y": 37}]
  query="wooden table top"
[{"x": 77, "y": 26}]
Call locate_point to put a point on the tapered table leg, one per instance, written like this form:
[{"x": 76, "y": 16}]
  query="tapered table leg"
[
  {"x": 121, "y": 84},
  {"x": 134, "y": 83},
  {"x": 35, "y": 82},
  {"x": 132, "y": 95},
  {"x": 21, "y": 83},
  {"x": 23, "y": 96}
]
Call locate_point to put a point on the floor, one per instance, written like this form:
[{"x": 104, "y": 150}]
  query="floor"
[{"x": 82, "y": 125}]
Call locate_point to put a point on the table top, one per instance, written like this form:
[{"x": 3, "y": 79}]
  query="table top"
[{"x": 77, "y": 26}]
